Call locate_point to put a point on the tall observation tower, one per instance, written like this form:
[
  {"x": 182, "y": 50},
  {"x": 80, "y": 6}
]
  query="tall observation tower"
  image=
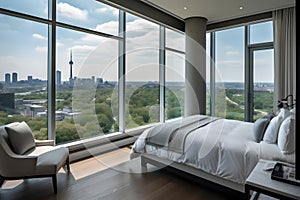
[{"x": 71, "y": 66}]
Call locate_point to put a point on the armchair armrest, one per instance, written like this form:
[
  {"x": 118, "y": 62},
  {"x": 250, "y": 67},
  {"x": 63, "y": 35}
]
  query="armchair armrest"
[
  {"x": 19, "y": 166},
  {"x": 44, "y": 143}
]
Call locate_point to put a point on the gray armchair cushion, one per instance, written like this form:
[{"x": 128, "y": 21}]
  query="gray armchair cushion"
[
  {"x": 50, "y": 162},
  {"x": 20, "y": 137}
]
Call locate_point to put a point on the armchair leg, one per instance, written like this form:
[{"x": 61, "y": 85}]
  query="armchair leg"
[
  {"x": 54, "y": 182},
  {"x": 68, "y": 164},
  {"x": 1, "y": 181}
]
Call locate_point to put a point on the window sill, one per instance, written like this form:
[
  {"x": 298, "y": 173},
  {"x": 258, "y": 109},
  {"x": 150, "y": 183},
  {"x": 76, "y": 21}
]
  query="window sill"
[{"x": 85, "y": 148}]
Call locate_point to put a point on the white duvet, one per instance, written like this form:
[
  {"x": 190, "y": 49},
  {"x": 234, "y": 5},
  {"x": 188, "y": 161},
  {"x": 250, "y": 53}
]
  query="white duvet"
[{"x": 224, "y": 148}]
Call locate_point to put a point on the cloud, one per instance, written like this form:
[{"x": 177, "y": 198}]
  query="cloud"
[
  {"x": 112, "y": 10},
  {"x": 59, "y": 44},
  {"x": 101, "y": 10},
  {"x": 175, "y": 40},
  {"x": 140, "y": 24},
  {"x": 38, "y": 36},
  {"x": 83, "y": 49},
  {"x": 230, "y": 63},
  {"x": 142, "y": 34},
  {"x": 41, "y": 49},
  {"x": 232, "y": 53},
  {"x": 72, "y": 12},
  {"x": 108, "y": 27}
]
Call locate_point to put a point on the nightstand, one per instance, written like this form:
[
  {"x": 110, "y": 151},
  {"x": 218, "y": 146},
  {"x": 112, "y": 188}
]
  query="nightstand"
[{"x": 260, "y": 181}]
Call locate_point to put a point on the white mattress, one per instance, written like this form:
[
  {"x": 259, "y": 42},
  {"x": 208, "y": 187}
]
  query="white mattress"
[{"x": 223, "y": 148}]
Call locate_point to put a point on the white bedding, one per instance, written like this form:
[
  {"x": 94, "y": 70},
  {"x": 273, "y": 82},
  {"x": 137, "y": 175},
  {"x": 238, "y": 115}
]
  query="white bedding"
[{"x": 224, "y": 148}]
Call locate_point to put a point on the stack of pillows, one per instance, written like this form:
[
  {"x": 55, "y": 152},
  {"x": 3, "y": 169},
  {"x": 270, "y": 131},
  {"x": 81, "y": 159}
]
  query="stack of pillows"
[{"x": 277, "y": 129}]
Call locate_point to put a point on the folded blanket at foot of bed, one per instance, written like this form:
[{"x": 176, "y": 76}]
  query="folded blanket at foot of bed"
[{"x": 172, "y": 135}]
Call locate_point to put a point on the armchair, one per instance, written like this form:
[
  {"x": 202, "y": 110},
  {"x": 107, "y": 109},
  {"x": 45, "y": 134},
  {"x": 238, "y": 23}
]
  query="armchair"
[{"x": 22, "y": 157}]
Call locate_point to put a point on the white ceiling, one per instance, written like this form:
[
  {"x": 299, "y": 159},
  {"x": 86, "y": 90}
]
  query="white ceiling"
[{"x": 219, "y": 10}]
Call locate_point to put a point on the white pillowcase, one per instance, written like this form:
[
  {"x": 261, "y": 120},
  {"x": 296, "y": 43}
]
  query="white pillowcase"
[
  {"x": 293, "y": 110},
  {"x": 286, "y": 135},
  {"x": 273, "y": 128}
]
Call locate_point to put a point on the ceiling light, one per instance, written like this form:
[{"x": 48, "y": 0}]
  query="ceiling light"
[
  {"x": 185, "y": 7},
  {"x": 241, "y": 7}
]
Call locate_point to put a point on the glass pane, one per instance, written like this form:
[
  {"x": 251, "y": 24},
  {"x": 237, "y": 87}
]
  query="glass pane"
[
  {"x": 175, "y": 40},
  {"x": 175, "y": 84},
  {"x": 89, "y": 14},
  {"x": 23, "y": 61},
  {"x": 263, "y": 82},
  {"x": 86, "y": 80},
  {"x": 142, "y": 72},
  {"x": 229, "y": 89},
  {"x": 37, "y": 8},
  {"x": 261, "y": 32}
]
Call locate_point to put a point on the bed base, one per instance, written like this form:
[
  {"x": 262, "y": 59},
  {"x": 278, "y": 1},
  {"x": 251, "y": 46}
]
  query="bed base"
[{"x": 197, "y": 175}]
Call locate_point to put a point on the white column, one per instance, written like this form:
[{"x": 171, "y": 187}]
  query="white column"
[{"x": 195, "y": 66}]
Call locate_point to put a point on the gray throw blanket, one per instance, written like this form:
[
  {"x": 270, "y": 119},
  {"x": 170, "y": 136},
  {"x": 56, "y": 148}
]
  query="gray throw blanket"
[{"x": 173, "y": 134}]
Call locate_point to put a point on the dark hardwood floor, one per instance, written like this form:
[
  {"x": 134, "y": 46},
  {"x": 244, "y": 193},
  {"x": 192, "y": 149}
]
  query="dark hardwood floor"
[{"x": 110, "y": 176}]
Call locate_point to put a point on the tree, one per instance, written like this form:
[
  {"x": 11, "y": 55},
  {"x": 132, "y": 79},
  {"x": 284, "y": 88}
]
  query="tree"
[
  {"x": 66, "y": 132},
  {"x": 105, "y": 122}
]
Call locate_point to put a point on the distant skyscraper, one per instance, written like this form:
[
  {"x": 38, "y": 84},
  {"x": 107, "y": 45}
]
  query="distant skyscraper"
[
  {"x": 71, "y": 66},
  {"x": 7, "y": 78},
  {"x": 14, "y": 77},
  {"x": 29, "y": 78},
  {"x": 58, "y": 78},
  {"x": 100, "y": 80}
]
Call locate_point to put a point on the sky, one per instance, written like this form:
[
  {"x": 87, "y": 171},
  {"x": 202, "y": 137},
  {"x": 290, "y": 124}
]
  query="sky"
[{"x": 24, "y": 45}]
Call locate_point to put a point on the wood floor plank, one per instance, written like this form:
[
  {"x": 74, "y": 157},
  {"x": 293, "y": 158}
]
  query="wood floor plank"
[{"x": 90, "y": 179}]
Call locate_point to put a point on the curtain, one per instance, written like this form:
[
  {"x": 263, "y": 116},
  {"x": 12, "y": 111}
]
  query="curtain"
[{"x": 284, "y": 53}]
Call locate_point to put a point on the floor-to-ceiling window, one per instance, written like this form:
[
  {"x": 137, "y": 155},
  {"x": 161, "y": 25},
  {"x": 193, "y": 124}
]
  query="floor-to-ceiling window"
[
  {"x": 242, "y": 71},
  {"x": 175, "y": 74},
  {"x": 64, "y": 69},
  {"x": 229, "y": 73},
  {"x": 23, "y": 71},
  {"x": 261, "y": 69},
  {"x": 142, "y": 72},
  {"x": 87, "y": 70},
  {"x": 263, "y": 82}
]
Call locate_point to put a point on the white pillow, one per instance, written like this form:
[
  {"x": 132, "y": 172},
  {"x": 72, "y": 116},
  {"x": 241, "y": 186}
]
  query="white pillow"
[
  {"x": 273, "y": 128},
  {"x": 286, "y": 135},
  {"x": 293, "y": 110}
]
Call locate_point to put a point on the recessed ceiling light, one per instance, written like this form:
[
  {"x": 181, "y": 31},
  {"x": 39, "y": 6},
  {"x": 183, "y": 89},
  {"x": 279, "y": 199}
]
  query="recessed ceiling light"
[
  {"x": 241, "y": 7},
  {"x": 185, "y": 7}
]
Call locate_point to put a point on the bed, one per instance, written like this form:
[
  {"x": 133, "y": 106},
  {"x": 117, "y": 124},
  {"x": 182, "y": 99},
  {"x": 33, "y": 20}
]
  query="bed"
[{"x": 222, "y": 151}]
